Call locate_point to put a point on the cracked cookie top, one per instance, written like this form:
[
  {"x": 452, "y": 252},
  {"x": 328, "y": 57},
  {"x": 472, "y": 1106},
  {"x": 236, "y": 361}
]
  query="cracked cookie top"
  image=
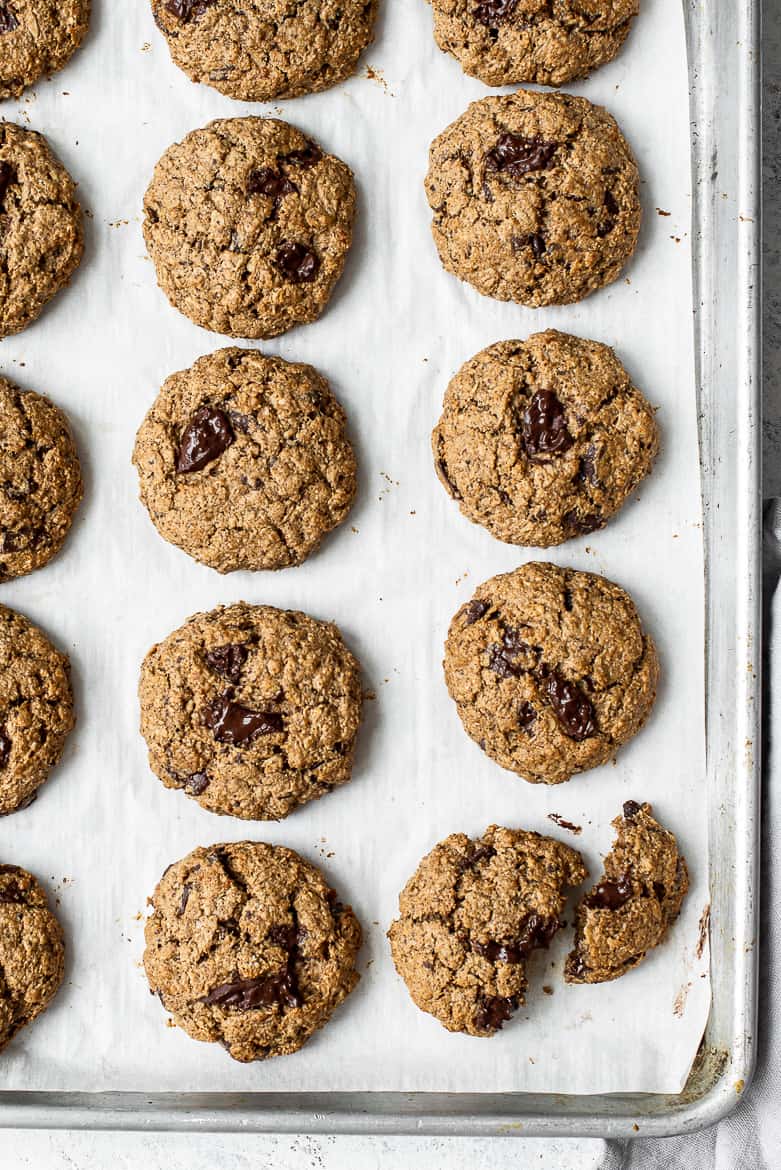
[
  {"x": 32, "y": 951},
  {"x": 549, "y": 42},
  {"x": 251, "y": 710},
  {"x": 243, "y": 461},
  {"x": 550, "y": 670},
  {"x": 535, "y": 198},
  {"x": 256, "y": 50},
  {"x": 543, "y": 440},
  {"x": 471, "y": 916},
  {"x": 37, "y": 37},
  {"x": 248, "y": 223},
  {"x": 249, "y": 946}
]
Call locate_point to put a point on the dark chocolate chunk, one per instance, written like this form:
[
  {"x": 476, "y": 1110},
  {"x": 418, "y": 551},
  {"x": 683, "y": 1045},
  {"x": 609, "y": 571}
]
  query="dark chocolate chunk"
[
  {"x": 206, "y": 436},
  {"x": 631, "y": 809},
  {"x": 183, "y": 902},
  {"x": 187, "y": 10},
  {"x": 286, "y": 937},
  {"x": 587, "y": 471},
  {"x": 233, "y": 723},
  {"x": 455, "y": 493},
  {"x": 5, "y": 746},
  {"x": 306, "y": 157},
  {"x": 610, "y": 895},
  {"x": 197, "y": 783},
  {"x": 7, "y": 177},
  {"x": 475, "y": 610},
  {"x": 493, "y": 12},
  {"x": 516, "y": 156},
  {"x": 11, "y": 895},
  {"x": 659, "y": 891},
  {"x": 8, "y": 22},
  {"x": 608, "y": 221},
  {"x": 493, "y": 1011},
  {"x": 571, "y": 707},
  {"x": 227, "y": 661},
  {"x": 544, "y": 432},
  {"x": 298, "y": 263},
  {"x": 581, "y": 525},
  {"x": 503, "y": 660},
  {"x": 527, "y": 716},
  {"x": 266, "y": 181},
  {"x": 535, "y": 932},
  {"x": 248, "y": 994}
]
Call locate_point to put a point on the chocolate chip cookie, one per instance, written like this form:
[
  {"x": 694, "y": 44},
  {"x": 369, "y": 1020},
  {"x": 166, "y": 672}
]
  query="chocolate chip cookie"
[
  {"x": 544, "y": 439},
  {"x": 37, "y": 37},
  {"x": 504, "y": 42},
  {"x": 535, "y": 198},
  {"x": 41, "y": 233},
  {"x": 36, "y": 709},
  {"x": 258, "y": 51},
  {"x": 32, "y": 952},
  {"x": 251, "y": 710},
  {"x": 248, "y": 945},
  {"x": 243, "y": 461},
  {"x": 40, "y": 480},
  {"x": 551, "y": 670},
  {"x": 248, "y": 223},
  {"x": 631, "y": 908},
  {"x": 471, "y": 915}
]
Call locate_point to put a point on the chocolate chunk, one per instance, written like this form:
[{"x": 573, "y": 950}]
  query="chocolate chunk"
[
  {"x": 249, "y": 994},
  {"x": 11, "y": 895},
  {"x": 587, "y": 471},
  {"x": 187, "y": 10},
  {"x": 197, "y": 783},
  {"x": 475, "y": 610},
  {"x": 233, "y": 723},
  {"x": 286, "y": 937},
  {"x": 475, "y": 854},
  {"x": 631, "y": 809},
  {"x": 503, "y": 660},
  {"x": 527, "y": 716},
  {"x": 298, "y": 263},
  {"x": 183, "y": 902},
  {"x": 537, "y": 245},
  {"x": 493, "y": 1011},
  {"x": 570, "y": 706},
  {"x": 608, "y": 222},
  {"x": 7, "y": 176},
  {"x": 455, "y": 493},
  {"x": 227, "y": 661},
  {"x": 306, "y": 157},
  {"x": 266, "y": 181},
  {"x": 535, "y": 932},
  {"x": 206, "y": 436},
  {"x": 659, "y": 891},
  {"x": 5, "y": 746},
  {"x": 8, "y": 23},
  {"x": 610, "y": 895},
  {"x": 515, "y": 155},
  {"x": 544, "y": 433},
  {"x": 493, "y": 12},
  {"x": 581, "y": 525}
]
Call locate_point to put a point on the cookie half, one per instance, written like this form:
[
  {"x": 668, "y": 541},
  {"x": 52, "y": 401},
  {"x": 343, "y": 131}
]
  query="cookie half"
[
  {"x": 248, "y": 223},
  {"x": 37, "y": 37},
  {"x": 471, "y": 915},
  {"x": 249, "y": 946},
  {"x": 251, "y": 710},
  {"x": 243, "y": 461},
  {"x": 551, "y": 670},
  {"x": 32, "y": 952},
  {"x": 543, "y": 440},
  {"x": 630, "y": 910},
  {"x": 535, "y": 198}
]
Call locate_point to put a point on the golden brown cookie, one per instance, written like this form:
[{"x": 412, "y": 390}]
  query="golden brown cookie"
[
  {"x": 32, "y": 952},
  {"x": 37, "y": 37}
]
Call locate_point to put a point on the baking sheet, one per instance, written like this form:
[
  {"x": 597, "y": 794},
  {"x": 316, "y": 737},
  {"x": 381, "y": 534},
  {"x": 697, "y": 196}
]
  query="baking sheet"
[{"x": 103, "y": 828}]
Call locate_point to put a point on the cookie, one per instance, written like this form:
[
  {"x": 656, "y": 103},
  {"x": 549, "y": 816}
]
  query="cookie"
[
  {"x": 40, "y": 480},
  {"x": 249, "y": 946},
  {"x": 550, "y": 670},
  {"x": 41, "y": 231},
  {"x": 32, "y": 951},
  {"x": 243, "y": 461},
  {"x": 634, "y": 903},
  {"x": 256, "y": 52},
  {"x": 544, "y": 439},
  {"x": 535, "y": 198},
  {"x": 251, "y": 710},
  {"x": 504, "y": 42},
  {"x": 36, "y": 709},
  {"x": 37, "y": 37},
  {"x": 471, "y": 916},
  {"x": 248, "y": 224}
]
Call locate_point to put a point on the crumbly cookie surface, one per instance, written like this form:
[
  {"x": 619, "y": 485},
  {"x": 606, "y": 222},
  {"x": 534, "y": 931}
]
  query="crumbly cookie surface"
[
  {"x": 36, "y": 709},
  {"x": 41, "y": 232},
  {"x": 248, "y": 223},
  {"x": 32, "y": 951},
  {"x": 251, "y": 710},
  {"x": 249, "y": 946},
  {"x": 635, "y": 902},
  {"x": 504, "y": 42},
  {"x": 257, "y": 50},
  {"x": 243, "y": 461},
  {"x": 543, "y": 440},
  {"x": 551, "y": 670},
  {"x": 535, "y": 198},
  {"x": 40, "y": 480},
  {"x": 37, "y": 37},
  {"x": 470, "y": 917}
]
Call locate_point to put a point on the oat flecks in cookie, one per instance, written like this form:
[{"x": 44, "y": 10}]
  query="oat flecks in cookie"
[
  {"x": 543, "y": 440},
  {"x": 249, "y": 946},
  {"x": 37, "y": 37},
  {"x": 248, "y": 223},
  {"x": 630, "y": 910},
  {"x": 32, "y": 951},
  {"x": 274, "y": 49},
  {"x": 471, "y": 916},
  {"x": 504, "y": 42},
  {"x": 551, "y": 670},
  {"x": 243, "y": 461},
  {"x": 535, "y": 198},
  {"x": 251, "y": 710}
]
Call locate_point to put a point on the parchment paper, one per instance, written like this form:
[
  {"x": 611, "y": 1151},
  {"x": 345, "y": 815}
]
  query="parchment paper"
[{"x": 104, "y": 828}]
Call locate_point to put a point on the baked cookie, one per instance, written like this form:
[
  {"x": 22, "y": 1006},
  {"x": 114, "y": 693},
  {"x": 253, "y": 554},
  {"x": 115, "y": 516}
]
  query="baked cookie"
[
  {"x": 248, "y": 224},
  {"x": 535, "y": 198},
  {"x": 37, "y": 37},
  {"x": 249, "y": 946},
  {"x": 40, "y": 480},
  {"x": 41, "y": 231},
  {"x": 471, "y": 915},
  {"x": 243, "y": 461},
  {"x": 251, "y": 710},
  {"x": 258, "y": 51},
  {"x": 544, "y": 439},
  {"x": 550, "y": 670},
  {"x": 633, "y": 905},
  {"x": 32, "y": 952},
  {"x": 36, "y": 709},
  {"x": 504, "y": 42}
]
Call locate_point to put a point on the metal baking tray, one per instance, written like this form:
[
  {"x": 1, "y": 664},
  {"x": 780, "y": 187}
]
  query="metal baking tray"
[{"x": 724, "y": 67}]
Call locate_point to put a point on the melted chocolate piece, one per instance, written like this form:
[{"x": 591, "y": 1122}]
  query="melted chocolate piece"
[
  {"x": 183, "y": 903},
  {"x": 298, "y": 263},
  {"x": 248, "y": 994},
  {"x": 8, "y": 22},
  {"x": 610, "y": 895},
  {"x": 631, "y": 809},
  {"x": 544, "y": 433},
  {"x": 537, "y": 245},
  {"x": 475, "y": 610},
  {"x": 5, "y": 746},
  {"x": 7, "y": 175},
  {"x": 571, "y": 707},
  {"x": 493, "y": 1010},
  {"x": 535, "y": 932},
  {"x": 197, "y": 783},
  {"x": 581, "y": 525},
  {"x": 286, "y": 937},
  {"x": 606, "y": 225},
  {"x": 266, "y": 181},
  {"x": 187, "y": 10},
  {"x": 233, "y": 723},
  {"x": 493, "y": 12},
  {"x": 206, "y": 436},
  {"x": 503, "y": 659},
  {"x": 527, "y": 716},
  {"x": 455, "y": 493},
  {"x": 227, "y": 661},
  {"x": 306, "y": 157},
  {"x": 587, "y": 472},
  {"x": 516, "y": 156}
]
